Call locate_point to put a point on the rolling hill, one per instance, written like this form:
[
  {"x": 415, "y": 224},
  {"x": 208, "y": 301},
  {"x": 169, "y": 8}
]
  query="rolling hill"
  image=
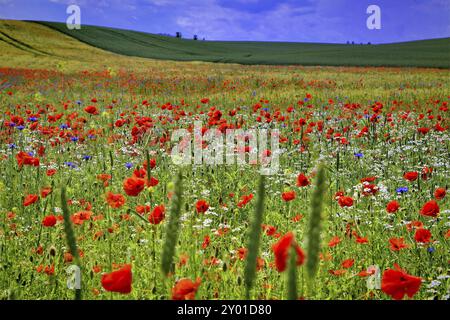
[
  {"x": 52, "y": 40},
  {"x": 30, "y": 45},
  {"x": 425, "y": 53}
]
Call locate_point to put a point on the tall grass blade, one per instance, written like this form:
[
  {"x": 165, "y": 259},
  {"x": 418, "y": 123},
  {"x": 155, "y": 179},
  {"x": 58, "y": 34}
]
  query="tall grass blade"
[
  {"x": 315, "y": 221},
  {"x": 70, "y": 236},
  {"x": 254, "y": 240},
  {"x": 173, "y": 227},
  {"x": 292, "y": 293}
]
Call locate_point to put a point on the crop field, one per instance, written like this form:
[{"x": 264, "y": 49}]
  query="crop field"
[
  {"x": 426, "y": 53},
  {"x": 90, "y": 194}
]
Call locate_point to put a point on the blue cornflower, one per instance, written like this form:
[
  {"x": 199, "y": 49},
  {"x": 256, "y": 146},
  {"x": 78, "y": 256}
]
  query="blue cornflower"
[
  {"x": 431, "y": 250},
  {"x": 70, "y": 164},
  {"x": 74, "y": 139},
  {"x": 402, "y": 189},
  {"x": 78, "y": 102},
  {"x": 359, "y": 155},
  {"x": 266, "y": 109},
  {"x": 12, "y": 146},
  {"x": 91, "y": 136},
  {"x": 87, "y": 158},
  {"x": 64, "y": 126},
  {"x": 129, "y": 165},
  {"x": 32, "y": 119},
  {"x": 20, "y": 128},
  {"x": 12, "y": 124}
]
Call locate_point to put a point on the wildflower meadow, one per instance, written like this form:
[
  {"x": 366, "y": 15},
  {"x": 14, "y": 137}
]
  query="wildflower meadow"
[{"x": 92, "y": 205}]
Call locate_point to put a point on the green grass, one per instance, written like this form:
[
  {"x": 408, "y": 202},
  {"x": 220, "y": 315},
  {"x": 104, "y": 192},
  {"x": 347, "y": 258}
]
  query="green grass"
[{"x": 426, "y": 53}]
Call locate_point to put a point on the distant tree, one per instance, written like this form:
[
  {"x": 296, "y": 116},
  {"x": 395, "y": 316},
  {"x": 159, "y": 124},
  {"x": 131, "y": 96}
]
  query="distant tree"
[
  {"x": 369, "y": 43},
  {"x": 195, "y": 37},
  {"x": 353, "y": 42},
  {"x": 348, "y": 42},
  {"x": 179, "y": 35},
  {"x": 204, "y": 39}
]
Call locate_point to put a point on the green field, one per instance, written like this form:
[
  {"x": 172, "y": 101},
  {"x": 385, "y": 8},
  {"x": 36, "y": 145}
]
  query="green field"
[{"x": 426, "y": 53}]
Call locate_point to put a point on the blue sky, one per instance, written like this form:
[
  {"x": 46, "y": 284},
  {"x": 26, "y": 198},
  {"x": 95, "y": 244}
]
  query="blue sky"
[{"x": 260, "y": 20}]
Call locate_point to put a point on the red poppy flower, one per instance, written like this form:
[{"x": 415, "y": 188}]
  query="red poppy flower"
[
  {"x": 423, "y": 130},
  {"x": 143, "y": 209},
  {"x": 426, "y": 173},
  {"x": 366, "y": 273},
  {"x": 270, "y": 230},
  {"x": 152, "y": 183},
  {"x": 30, "y": 199},
  {"x": 338, "y": 194},
  {"x": 206, "y": 242},
  {"x": 24, "y": 158},
  {"x": 91, "y": 110},
  {"x": 422, "y": 236},
  {"x": 152, "y": 163},
  {"x": 288, "y": 196},
  {"x": 447, "y": 235},
  {"x": 337, "y": 272},
  {"x": 397, "y": 283},
  {"x": 242, "y": 253},
  {"x": 105, "y": 178},
  {"x": 414, "y": 224},
  {"x": 361, "y": 240},
  {"x": 133, "y": 186},
  {"x": 368, "y": 179},
  {"x": 118, "y": 281},
  {"x": 185, "y": 289},
  {"x": 345, "y": 201},
  {"x": 392, "y": 206},
  {"x": 281, "y": 251},
  {"x": 334, "y": 241},
  {"x": 81, "y": 216},
  {"x": 348, "y": 263},
  {"x": 115, "y": 200},
  {"x": 302, "y": 180},
  {"x": 202, "y": 206},
  {"x": 49, "y": 270},
  {"x": 51, "y": 172},
  {"x": 49, "y": 221},
  {"x": 397, "y": 244},
  {"x": 244, "y": 200},
  {"x": 439, "y": 193},
  {"x": 45, "y": 192},
  {"x": 157, "y": 215},
  {"x": 411, "y": 176},
  {"x": 369, "y": 189},
  {"x": 430, "y": 209}
]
